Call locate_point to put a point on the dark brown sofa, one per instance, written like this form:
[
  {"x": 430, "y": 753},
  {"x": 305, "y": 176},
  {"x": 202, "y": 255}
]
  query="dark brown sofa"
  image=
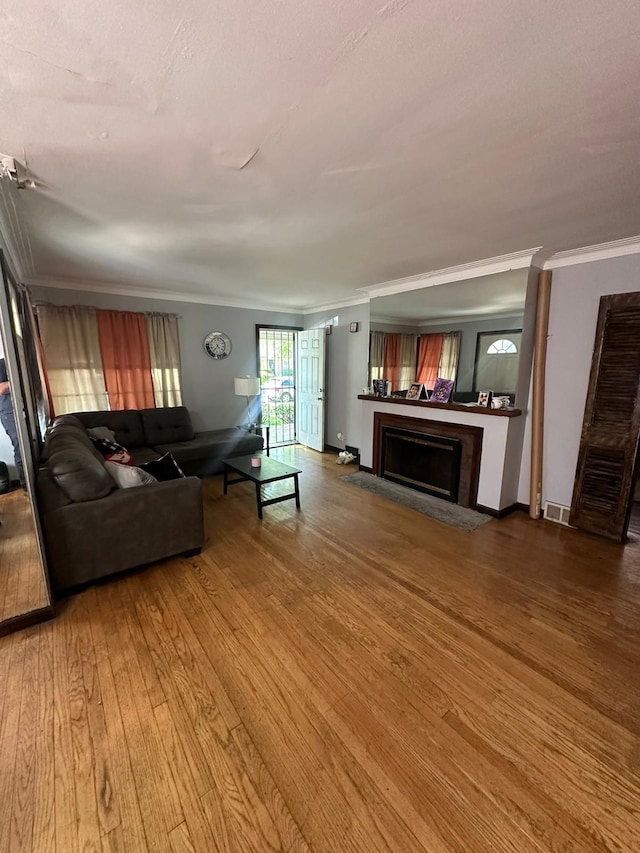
[
  {"x": 92, "y": 528},
  {"x": 150, "y": 433}
]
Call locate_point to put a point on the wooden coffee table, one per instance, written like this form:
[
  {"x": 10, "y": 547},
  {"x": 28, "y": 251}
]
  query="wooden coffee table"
[{"x": 270, "y": 471}]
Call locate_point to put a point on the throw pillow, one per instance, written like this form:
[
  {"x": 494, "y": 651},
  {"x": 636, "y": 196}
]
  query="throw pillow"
[
  {"x": 112, "y": 451},
  {"x": 165, "y": 468},
  {"x": 102, "y": 432},
  {"x": 128, "y": 477}
]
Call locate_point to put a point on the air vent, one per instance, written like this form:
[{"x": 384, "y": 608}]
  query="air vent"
[{"x": 557, "y": 513}]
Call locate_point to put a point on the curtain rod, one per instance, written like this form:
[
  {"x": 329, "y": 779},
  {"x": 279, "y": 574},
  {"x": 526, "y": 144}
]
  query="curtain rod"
[{"x": 40, "y": 304}]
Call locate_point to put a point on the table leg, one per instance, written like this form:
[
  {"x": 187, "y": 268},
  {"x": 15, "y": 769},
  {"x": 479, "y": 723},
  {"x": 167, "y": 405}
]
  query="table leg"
[
  {"x": 297, "y": 491},
  {"x": 226, "y": 479},
  {"x": 268, "y": 429},
  {"x": 259, "y": 499}
]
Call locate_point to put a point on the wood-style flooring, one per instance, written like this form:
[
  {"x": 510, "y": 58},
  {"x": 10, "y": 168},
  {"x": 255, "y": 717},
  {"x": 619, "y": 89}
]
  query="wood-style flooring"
[
  {"x": 22, "y": 587},
  {"x": 353, "y": 677}
]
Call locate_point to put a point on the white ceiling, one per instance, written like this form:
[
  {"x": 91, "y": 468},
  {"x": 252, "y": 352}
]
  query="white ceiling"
[
  {"x": 497, "y": 295},
  {"x": 289, "y": 152}
]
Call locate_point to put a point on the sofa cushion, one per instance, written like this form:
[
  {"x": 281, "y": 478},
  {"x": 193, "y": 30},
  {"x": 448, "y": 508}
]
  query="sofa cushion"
[
  {"x": 167, "y": 425},
  {"x": 218, "y": 442},
  {"x": 127, "y": 425},
  {"x": 128, "y": 476},
  {"x": 144, "y": 454},
  {"x": 78, "y": 471}
]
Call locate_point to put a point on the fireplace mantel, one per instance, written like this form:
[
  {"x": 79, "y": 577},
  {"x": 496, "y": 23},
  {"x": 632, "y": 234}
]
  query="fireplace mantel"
[{"x": 499, "y": 461}]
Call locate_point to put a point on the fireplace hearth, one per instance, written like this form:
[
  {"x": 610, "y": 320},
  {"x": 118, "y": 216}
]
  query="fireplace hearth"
[{"x": 428, "y": 463}]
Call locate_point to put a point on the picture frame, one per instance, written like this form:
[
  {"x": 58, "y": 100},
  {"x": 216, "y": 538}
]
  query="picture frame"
[
  {"x": 380, "y": 387},
  {"x": 442, "y": 390},
  {"x": 484, "y": 399},
  {"x": 417, "y": 391},
  {"x": 353, "y": 327}
]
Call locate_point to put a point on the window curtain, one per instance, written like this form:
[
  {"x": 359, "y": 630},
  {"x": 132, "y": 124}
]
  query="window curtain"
[
  {"x": 429, "y": 352},
  {"x": 399, "y": 360},
  {"x": 449, "y": 356},
  {"x": 164, "y": 351},
  {"x": 124, "y": 344},
  {"x": 73, "y": 360},
  {"x": 376, "y": 356},
  {"x": 408, "y": 344}
]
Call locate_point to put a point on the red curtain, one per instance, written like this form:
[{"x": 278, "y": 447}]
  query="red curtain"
[
  {"x": 391, "y": 359},
  {"x": 126, "y": 362},
  {"x": 429, "y": 352}
]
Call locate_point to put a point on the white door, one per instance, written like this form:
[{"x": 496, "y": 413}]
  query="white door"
[{"x": 310, "y": 392}]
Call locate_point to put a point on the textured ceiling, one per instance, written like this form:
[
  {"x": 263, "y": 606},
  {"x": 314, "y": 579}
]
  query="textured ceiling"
[{"x": 290, "y": 152}]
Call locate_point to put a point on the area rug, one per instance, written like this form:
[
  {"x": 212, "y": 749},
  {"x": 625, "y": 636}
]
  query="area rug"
[{"x": 449, "y": 513}]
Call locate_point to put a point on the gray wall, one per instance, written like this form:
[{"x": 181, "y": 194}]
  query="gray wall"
[
  {"x": 6, "y": 448},
  {"x": 468, "y": 342},
  {"x": 207, "y": 385},
  {"x": 347, "y": 358},
  {"x": 575, "y": 299}
]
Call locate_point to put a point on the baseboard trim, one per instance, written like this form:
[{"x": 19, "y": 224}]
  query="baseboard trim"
[
  {"x": 499, "y": 513},
  {"x": 332, "y": 448},
  {"x": 26, "y": 620},
  {"x": 523, "y": 507},
  {"x": 365, "y": 468}
]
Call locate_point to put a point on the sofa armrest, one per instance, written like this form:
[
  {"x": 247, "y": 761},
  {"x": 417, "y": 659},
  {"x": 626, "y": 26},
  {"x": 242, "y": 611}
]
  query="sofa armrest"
[{"x": 129, "y": 527}]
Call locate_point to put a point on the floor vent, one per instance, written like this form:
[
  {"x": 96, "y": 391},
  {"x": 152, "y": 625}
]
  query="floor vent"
[{"x": 557, "y": 513}]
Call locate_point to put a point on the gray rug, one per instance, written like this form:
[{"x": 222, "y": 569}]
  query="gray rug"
[{"x": 457, "y": 516}]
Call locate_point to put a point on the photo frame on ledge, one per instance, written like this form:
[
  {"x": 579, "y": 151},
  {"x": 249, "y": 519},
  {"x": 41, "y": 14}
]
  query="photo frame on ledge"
[
  {"x": 381, "y": 387},
  {"x": 417, "y": 391},
  {"x": 442, "y": 390},
  {"x": 484, "y": 399}
]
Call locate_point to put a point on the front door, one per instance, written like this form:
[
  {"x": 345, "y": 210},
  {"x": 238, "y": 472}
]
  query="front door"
[{"x": 310, "y": 389}]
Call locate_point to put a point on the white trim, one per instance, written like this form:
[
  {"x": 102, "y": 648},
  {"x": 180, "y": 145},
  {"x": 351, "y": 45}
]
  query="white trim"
[
  {"x": 475, "y": 269},
  {"x": 446, "y": 321},
  {"x": 334, "y": 306},
  {"x": 177, "y": 296},
  {"x": 599, "y": 252},
  {"x": 143, "y": 293}
]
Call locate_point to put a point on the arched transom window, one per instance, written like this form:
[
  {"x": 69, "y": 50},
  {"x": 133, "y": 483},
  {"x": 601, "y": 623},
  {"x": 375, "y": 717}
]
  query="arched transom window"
[{"x": 502, "y": 346}]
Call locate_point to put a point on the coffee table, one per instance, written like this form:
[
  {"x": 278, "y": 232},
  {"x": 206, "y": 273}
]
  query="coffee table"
[{"x": 270, "y": 471}]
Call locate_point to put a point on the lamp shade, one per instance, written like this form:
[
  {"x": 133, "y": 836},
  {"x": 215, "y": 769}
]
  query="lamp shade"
[{"x": 246, "y": 386}]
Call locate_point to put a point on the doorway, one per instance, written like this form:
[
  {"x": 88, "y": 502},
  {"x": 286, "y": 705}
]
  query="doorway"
[{"x": 276, "y": 350}]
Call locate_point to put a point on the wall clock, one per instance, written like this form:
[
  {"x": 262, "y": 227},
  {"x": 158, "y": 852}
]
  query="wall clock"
[{"x": 217, "y": 345}]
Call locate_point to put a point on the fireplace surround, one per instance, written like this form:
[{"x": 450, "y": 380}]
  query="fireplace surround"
[{"x": 448, "y": 453}]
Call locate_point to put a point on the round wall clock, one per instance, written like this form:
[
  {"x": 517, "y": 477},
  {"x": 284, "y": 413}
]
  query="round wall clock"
[{"x": 217, "y": 345}]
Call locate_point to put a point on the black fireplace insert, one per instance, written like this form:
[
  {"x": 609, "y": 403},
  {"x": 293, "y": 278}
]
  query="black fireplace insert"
[{"x": 428, "y": 463}]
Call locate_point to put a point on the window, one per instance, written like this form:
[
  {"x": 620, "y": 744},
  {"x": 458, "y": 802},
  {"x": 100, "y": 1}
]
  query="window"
[{"x": 502, "y": 346}]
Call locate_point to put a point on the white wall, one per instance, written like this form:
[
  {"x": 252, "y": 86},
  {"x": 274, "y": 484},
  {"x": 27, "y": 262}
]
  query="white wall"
[
  {"x": 575, "y": 298},
  {"x": 207, "y": 385}
]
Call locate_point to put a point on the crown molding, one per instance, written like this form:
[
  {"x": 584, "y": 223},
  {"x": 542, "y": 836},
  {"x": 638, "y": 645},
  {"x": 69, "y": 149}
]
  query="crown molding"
[
  {"x": 336, "y": 305},
  {"x": 474, "y": 269},
  {"x": 145, "y": 293},
  {"x": 13, "y": 235},
  {"x": 444, "y": 321},
  {"x": 599, "y": 252}
]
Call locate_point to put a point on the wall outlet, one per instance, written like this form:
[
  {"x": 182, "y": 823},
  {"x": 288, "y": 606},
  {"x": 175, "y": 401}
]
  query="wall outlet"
[{"x": 340, "y": 436}]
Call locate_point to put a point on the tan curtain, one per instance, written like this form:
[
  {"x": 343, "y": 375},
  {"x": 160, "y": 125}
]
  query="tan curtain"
[
  {"x": 72, "y": 357},
  {"x": 429, "y": 353},
  {"x": 376, "y": 356},
  {"x": 124, "y": 344},
  {"x": 164, "y": 349},
  {"x": 449, "y": 356},
  {"x": 408, "y": 346}
]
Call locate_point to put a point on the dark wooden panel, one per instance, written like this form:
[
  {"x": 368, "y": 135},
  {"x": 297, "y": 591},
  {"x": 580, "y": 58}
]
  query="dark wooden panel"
[{"x": 611, "y": 425}]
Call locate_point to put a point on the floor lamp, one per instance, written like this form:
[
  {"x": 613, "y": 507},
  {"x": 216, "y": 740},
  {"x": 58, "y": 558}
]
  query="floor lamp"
[{"x": 247, "y": 386}]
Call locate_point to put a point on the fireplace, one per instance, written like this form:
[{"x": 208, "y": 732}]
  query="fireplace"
[
  {"x": 437, "y": 457},
  {"x": 429, "y": 463}
]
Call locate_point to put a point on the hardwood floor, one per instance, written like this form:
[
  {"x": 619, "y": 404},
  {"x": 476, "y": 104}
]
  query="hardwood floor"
[
  {"x": 21, "y": 586},
  {"x": 353, "y": 677}
]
